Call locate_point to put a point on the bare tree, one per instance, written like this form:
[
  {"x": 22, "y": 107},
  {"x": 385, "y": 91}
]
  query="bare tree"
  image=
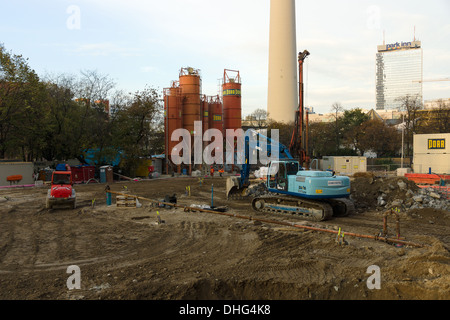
[
  {"x": 258, "y": 118},
  {"x": 411, "y": 105},
  {"x": 94, "y": 86},
  {"x": 337, "y": 108},
  {"x": 443, "y": 117}
]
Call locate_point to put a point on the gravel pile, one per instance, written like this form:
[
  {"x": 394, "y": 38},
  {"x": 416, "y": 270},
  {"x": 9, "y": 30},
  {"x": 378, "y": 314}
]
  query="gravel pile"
[{"x": 371, "y": 192}]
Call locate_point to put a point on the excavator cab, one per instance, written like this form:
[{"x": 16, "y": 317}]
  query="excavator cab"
[{"x": 279, "y": 172}]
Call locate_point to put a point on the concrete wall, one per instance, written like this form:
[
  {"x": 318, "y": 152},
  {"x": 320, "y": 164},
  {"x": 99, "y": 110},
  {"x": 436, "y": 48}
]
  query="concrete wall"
[{"x": 25, "y": 169}]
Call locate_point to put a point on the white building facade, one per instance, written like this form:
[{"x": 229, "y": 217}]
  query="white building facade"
[{"x": 399, "y": 72}]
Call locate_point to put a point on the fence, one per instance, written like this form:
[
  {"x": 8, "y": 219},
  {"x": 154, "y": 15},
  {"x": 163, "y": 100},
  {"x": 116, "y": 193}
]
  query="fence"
[{"x": 385, "y": 167}]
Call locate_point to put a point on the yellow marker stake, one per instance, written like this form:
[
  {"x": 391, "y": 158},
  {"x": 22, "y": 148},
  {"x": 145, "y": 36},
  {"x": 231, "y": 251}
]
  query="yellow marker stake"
[
  {"x": 159, "y": 218},
  {"x": 338, "y": 235}
]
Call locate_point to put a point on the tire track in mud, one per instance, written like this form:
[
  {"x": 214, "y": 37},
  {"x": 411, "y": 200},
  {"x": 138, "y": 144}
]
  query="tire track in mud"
[
  {"x": 195, "y": 244},
  {"x": 157, "y": 249},
  {"x": 36, "y": 227},
  {"x": 283, "y": 255},
  {"x": 25, "y": 242},
  {"x": 301, "y": 258},
  {"x": 19, "y": 255},
  {"x": 50, "y": 241},
  {"x": 7, "y": 235}
]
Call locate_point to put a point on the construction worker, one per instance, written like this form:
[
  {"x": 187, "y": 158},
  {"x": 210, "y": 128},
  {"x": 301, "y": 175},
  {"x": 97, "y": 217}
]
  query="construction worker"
[
  {"x": 212, "y": 171},
  {"x": 221, "y": 171}
]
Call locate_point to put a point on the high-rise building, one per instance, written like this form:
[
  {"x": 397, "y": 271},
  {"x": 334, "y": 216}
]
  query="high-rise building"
[{"x": 399, "y": 72}]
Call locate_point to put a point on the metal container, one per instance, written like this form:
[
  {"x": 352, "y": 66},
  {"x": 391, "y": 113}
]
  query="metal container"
[
  {"x": 191, "y": 104},
  {"x": 232, "y": 118},
  {"x": 345, "y": 165},
  {"x": 82, "y": 173},
  {"x": 431, "y": 153}
]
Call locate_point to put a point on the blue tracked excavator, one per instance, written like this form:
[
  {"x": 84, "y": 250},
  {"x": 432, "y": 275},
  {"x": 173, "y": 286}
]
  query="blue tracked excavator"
[
  {"x": 289, "y": 189},
  {"x": 311, "y": 194}
]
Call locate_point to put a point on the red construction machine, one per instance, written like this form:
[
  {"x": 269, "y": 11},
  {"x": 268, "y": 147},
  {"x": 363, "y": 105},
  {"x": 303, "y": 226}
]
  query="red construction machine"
[{"x": 61, "y": 192}]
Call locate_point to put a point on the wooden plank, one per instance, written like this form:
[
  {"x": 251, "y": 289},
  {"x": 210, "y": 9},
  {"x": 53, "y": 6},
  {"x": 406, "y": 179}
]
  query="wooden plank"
[
  {"x": 119, "y": 204},
  {"x": 126, "y": 203}
]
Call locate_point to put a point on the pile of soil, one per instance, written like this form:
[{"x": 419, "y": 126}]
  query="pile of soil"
[{"x": 366, "y": 189}]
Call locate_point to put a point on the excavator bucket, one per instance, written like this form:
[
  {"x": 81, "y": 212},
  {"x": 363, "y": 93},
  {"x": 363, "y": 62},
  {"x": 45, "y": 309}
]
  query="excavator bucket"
[{"x": 234, "y": 189}]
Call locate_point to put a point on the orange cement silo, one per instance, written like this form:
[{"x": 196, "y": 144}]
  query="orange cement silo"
[
  {"x": 190, "y": 84},
  {"x": 231, "y": 89},
  {"x": 215, "y": 113},
  {"x": 172, "y": 114}
]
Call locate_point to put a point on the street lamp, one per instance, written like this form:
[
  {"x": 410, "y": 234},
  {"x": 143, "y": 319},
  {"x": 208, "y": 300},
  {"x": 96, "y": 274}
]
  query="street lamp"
[{"x": 403, "y": 136}]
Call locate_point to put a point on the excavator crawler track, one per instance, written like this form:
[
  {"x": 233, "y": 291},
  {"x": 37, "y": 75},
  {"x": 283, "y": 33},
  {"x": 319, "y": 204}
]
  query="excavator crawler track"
[
  {"x": 342, "y": 207},
  {"x": 237, "y": 196},
  {"x": 315, "y": 210},
  {"x": 307, "y": 209}
]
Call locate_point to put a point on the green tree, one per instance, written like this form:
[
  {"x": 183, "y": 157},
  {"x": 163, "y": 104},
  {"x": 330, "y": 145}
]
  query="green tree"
[
  {"x": 321, "y": 139},
  {"x": 139, "y": 128},
  {"x": 377, "y": 136},
  {"x": 64, "y": 122},
  {"x": 351, "y": 121},
  {"x": 59, "y": 118},
  {"x": 29, "y": 135},
  {"x": 22, "y": 107}
]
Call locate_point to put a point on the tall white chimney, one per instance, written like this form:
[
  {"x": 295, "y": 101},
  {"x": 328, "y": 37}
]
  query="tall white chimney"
[{"x": 282, "y": 99}]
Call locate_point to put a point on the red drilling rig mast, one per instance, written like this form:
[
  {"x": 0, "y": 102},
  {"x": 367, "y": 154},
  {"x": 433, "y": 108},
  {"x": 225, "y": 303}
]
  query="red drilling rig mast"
[{"x": 298, "y": 147}]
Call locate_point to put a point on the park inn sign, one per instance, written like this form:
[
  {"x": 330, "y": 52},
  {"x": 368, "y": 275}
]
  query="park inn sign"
[{"x": 400, "y": 46}]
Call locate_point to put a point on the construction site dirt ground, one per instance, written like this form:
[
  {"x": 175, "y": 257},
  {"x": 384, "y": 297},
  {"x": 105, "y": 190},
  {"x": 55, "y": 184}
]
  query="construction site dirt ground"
[{"x": 124, "y": 253}]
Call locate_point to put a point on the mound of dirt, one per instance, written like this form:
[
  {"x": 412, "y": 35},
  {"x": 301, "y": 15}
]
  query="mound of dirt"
[{"x": 366, "y": 190}]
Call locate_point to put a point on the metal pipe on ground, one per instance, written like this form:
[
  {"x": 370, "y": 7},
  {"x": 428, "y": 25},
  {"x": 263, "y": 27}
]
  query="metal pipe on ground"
[{"x": 289, "y": 224}]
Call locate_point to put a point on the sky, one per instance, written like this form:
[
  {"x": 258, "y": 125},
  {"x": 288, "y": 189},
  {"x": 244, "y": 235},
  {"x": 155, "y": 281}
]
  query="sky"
[{"x": 142, "y": 44}]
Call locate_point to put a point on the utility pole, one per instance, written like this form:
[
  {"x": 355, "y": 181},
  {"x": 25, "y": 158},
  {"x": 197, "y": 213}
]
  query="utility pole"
[
  {"x": 403, "y": 136},
  {"x": 298, "y": 140}
]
